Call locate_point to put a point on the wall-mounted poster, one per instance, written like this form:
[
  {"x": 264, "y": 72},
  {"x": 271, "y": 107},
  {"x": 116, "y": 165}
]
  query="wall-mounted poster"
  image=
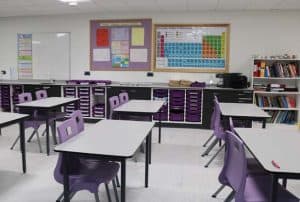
[
  {"x": 25, "y": 56},
  {"x": 120, "y": 45},
  {"x": 191, "y": 48}
]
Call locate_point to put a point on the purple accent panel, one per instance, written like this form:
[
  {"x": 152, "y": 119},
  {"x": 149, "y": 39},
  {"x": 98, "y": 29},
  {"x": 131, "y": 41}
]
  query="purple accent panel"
[{"x": 135, "y": 66}]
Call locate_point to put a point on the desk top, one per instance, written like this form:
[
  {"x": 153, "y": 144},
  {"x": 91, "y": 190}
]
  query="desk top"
[
  {"x": 8, "y": 117},
  {"x": 276, "y": 144},
  {"x": 141, "y": 106},
  {"x": 109, "y": 138},
  {"x": 242, "y": 110},
  {"x": 49, "y": 102}
]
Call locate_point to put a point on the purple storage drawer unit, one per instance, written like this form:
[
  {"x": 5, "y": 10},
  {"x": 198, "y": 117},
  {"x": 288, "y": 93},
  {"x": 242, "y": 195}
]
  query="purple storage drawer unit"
[
  {"x": 84, "y": 103},
  {"x": 16, "y": 90},
  {"x": 98, "y": 109},
  {"x": 176, "y": 105},
  {"x": 193, "y": 108},
  {"x": 69, "y": 91},
  {"x": 5, "y": 98},
  {"x": 161, "y": 94}
]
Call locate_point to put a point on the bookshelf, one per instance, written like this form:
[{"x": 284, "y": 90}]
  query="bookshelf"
[{"x": 276, "y": 84}]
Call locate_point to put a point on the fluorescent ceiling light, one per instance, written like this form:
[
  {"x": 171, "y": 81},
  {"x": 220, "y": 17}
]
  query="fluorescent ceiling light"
[{"x": 73, "y": 2}]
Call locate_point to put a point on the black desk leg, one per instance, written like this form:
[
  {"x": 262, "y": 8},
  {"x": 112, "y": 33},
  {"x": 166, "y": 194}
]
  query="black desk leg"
[
  {"x": 159, "y": 126},
  {"x": 264, "y": 123},
  {"x": 147, "y": 155},
  {"x": 274, "y": 188},
  {"x": 47, "y": 133},
  {"x": 123, "y": 180},
  {"x": 284, "y": 183},
  {"x": 66, "y": 178},
  {"x": 22, "y": 145},
  {"x": 150, "y": 147}
]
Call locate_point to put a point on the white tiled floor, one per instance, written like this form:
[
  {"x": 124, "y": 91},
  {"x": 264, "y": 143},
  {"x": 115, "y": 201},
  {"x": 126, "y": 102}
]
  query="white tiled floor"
[{"x": 176, "y": 174}]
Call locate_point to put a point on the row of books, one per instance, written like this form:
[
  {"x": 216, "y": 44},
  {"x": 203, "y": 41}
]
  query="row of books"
[
  {"x": 288, "y": 117},
  {"x": 276, "y": 70},
  {"x": 276, "y": 101}
]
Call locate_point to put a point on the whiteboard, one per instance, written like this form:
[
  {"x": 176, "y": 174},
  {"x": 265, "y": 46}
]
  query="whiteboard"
[{"x": 51, "y": 56}]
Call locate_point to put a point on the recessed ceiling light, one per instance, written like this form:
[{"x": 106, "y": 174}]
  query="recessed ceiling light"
[{"x": 73, "y": 2}]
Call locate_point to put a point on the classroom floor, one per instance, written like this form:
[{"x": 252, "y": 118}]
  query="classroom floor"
[{"x": 177, "y": 173}]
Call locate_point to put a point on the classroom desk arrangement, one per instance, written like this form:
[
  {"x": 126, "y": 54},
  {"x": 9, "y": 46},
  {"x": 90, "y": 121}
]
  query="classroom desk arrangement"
[
  {"x": 115, "y": 140},
  {"x": 276, "y": 151},
  {"x": 47, "y": 105},
  {"x": 6, "y": 119}
]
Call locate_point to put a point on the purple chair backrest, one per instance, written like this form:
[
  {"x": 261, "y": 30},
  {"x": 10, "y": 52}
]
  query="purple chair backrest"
[
  {"x": 24, "y": 97},
  {"x": 41, "y": 94},
  {"x": 113, "y": 103},
  {"x": 123, "y": 97},
  {"x": 66, "y": 130},
  {"x": 231, "y": 126},
  {"x": 217, "y": 126},
  {"x": 77, "y": 115},
  {"x": 235, "y": 166}
]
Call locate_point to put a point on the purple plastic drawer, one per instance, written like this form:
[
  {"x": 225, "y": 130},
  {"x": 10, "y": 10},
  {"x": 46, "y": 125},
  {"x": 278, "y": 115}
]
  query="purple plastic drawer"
[
  {"x": 176, "y": 117},
  {"x": 193, "y": 118},
  {"x": 164, "y": 116}
]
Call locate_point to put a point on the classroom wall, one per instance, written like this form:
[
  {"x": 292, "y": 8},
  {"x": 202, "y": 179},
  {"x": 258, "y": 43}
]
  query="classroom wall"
[{"x": 252, "y": 32}]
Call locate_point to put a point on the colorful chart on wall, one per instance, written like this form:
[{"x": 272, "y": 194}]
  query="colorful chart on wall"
[
  {"x": 191, "y": 48},
  {"x": 25, "y": 56},
  {"x": 120, "y": 45}
]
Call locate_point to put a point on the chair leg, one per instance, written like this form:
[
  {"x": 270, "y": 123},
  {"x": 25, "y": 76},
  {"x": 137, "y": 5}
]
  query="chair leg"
[
  {"x": 53, "y": 132},
  {"x": 107, "y": 192},
  {"x": 218, "y": 191},
  {"x": 118, "y": 182},
  {"x": 208, "y": 140},
  {"x": 229, "y": 197},
  {"x": 15, "y": 142},
  {"x": 211, "y": 146},
  {"x": 38, "y": 139},
  {"x": 61, "y": 196},
  {"x": 97, "y": 199},
  {"x": 115, "y": 190},
  {"x": 214, "y": 156},
  {"x": 31, "y": 136}
]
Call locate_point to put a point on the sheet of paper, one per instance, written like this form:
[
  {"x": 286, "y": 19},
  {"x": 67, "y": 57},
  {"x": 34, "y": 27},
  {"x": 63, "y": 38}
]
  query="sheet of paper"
[
  {"x": 120, "y": 47},
  {"x": 139, "y": 55},
  {"x": 137, "y": 36},
  {"x": 102, "y": 37},
  {"x": 101, "y": 54},
  {"x": 120, "y": 34}
]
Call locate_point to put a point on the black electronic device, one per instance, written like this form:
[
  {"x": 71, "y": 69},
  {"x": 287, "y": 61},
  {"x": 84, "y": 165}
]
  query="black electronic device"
[{"x": 232, "y": 80}]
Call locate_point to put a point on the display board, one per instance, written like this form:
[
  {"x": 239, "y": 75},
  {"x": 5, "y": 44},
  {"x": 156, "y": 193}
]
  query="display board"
[
  {"x": 191, "y": 48},
  {"x": 44, "y": 56},
  {"x": 120, "y": 45}
]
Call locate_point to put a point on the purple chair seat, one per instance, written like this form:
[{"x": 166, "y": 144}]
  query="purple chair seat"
[{"x": 258, "y": 189}]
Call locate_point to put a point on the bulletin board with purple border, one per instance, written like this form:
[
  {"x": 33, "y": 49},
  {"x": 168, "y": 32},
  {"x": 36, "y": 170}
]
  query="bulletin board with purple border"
[{"x": 120, "y": 45}]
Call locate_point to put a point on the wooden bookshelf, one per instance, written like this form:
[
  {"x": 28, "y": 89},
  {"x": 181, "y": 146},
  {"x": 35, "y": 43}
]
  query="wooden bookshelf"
[{"x": 284, "y": 73}]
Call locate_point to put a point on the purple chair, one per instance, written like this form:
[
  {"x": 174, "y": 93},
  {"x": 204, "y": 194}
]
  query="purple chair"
[
  {"x": 247, "y": 188},
  {"x": 77, "y": 115},
  {"x": 123, "y": 97},
  {"x": 41, "y": 94},
  {"x": 212, "y": 120},
  {"x": 253, "y": 166},
  {"x": 34, "y": 122},
  {"x": 219, "y": 133},
  {"x": 113, "y": 103},
  {"x": 83, "y": 176}
]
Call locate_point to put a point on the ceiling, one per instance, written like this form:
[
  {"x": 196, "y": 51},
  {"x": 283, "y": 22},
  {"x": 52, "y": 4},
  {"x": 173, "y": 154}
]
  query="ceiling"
[{"x": 52, "y": 7}]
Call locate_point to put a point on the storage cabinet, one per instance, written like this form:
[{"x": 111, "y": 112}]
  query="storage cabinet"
[
  {"x": 98, "y": 103},
  {"x": 84, "y": 104},
  {"x": 5, "y": 98},
  {"x": 224, "y": 95},
  {"x": 69, "y": 91}
]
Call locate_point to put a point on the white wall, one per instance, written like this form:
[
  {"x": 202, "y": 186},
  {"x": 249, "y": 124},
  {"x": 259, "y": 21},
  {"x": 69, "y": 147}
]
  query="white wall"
[{"x": 255, "y": 32}]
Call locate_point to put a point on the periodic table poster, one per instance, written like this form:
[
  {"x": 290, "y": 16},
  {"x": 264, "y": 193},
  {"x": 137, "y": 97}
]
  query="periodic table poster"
[
  {"x": 191, "y": 48},
  {"x": 121, "y": 45}
]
